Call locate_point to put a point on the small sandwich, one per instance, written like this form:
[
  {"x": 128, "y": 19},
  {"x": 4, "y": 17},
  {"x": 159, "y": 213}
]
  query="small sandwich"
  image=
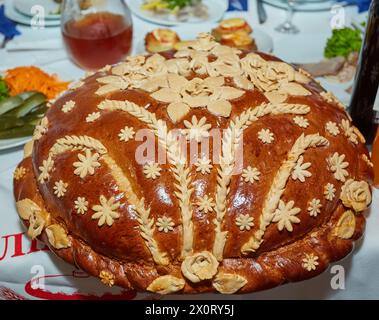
[
  {"x": 229, "y": 26},
  {"x": 239, "y": 39},
  {"x": 160, "y": 40}
]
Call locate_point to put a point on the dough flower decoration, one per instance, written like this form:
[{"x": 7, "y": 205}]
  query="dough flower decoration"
[
  {"x": 314, "y": 207},
  {"x": 107, "y": 278},
  {"x": 285, "y": 215},
  {"x": 227, "y": 62},
  {"x": 329, "y": 191},
  {"x": 87, "y": 164},
  {"x": 310, "y": 262},
  {"x": 205, "y": 204},
  {"x": 338, "y": 166},
  {"x": 93, "y": 117},
  {"x": 60, "y": 188},
  {"x": 132, "y": 64},
  {"x": 135, "y": 72},
  {"x": 301, "y": 122},
  {"x": 81, "y": 205},
  {"x": 126, "y": 134},
  {"x": 106, "y": 212},
  {"x": 19, "y": 173},
  {"x": 250, "y": 174},
  {"x": 165, "y": 224},
  {"x": 356, "y": 195},
  {"x": 196, "y": 129},
  {"x": 274, "y": 76},
  {"x": 41, "y": 129},
  {"x": 300, "y": 171},
  {"x": 332, "y": 128},
  {"x": 203, "y": 165},
  {"x": 244, "y": 222},
  {"x": 68, "y": 106},
  {"x": 266, "y": 136},
  {"x": 202, "y": 46},
  {"x": 210, "y": 93},
  {"x": 47, "y": 166},
  {"x": 152, "y": 170},
  {"x": 349, "y": 131},
  {"x": 200, "y": 266}
]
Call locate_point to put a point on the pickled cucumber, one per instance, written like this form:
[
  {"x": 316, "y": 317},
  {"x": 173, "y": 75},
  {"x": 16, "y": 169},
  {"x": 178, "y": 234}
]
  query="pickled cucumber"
[
  {"x": 29, "y": 104},
  {"x": 10, "y": 104},
  {"x": 20, "y": 114},
  {"x": 7, "y": 122},
  {"x": 26, "y": 130}
]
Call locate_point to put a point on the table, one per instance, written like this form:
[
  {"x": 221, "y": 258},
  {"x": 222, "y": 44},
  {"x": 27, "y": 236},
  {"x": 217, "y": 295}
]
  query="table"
[{"x": 361, "y": 272}]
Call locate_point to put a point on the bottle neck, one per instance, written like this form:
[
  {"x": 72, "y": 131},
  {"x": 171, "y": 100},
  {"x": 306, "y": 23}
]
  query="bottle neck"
[
  {"x": 376, "y": 107},
  {"x": 364, "y": 106}
]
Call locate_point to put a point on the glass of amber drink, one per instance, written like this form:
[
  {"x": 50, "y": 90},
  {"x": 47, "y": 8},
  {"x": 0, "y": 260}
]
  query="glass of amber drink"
[{"x": 96, "y": 32}]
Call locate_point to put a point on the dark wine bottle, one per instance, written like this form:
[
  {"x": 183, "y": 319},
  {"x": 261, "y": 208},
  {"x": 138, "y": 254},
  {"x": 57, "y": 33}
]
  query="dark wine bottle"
[{"x": 364, "y": 106}]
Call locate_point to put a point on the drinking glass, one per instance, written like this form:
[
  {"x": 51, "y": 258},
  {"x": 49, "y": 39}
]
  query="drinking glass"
[
  {"x": 287, "y": 26},
  {"x": 96, "y": 32}
]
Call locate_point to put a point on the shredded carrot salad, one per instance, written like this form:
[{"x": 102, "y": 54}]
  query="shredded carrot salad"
[{"x": 22, "y": 79}]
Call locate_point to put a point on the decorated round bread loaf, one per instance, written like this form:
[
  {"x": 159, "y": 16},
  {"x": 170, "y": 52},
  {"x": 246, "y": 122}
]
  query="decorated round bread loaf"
[{"x": 207, "y": 169}]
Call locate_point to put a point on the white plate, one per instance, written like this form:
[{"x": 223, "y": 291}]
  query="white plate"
[
  {"x": 13, "y": 14},
  {"x": 312, "y": 48},
  {"x": 306, "y": 5},
  {"x": 12, "y": 143},
  {"x": 216, "y": 9},
  {"x": 64, "y": 75},
  {"x": 26, "y": 7},
  {"x": 263, "y": 40}
]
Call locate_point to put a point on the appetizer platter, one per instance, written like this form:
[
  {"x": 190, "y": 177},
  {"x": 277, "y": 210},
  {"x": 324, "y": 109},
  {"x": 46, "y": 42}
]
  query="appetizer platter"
[
  {"x": 334, "y": 62},
  {"x": 178, "y": 12},
  {"x": 24, "y": 96},
  {"x": 234, "y": 32},
  {"x": 340, "y": 55}
]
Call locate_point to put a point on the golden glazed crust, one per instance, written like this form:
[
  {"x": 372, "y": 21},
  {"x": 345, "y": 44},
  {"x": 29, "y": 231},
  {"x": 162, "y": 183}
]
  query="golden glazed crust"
[{"x": 184, "y": 227}]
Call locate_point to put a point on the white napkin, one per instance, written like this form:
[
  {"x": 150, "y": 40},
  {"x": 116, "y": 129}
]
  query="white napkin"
[{"x": 22, "y": 45}]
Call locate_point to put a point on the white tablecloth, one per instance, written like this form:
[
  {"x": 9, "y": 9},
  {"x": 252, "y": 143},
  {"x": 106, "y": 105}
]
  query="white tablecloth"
[{"x": 361, "y": 268}]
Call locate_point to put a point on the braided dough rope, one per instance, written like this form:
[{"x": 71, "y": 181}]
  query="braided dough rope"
[
  {"x": 177, "y": 161},
  {"x": 76, "y": 143},
  {"x": 278, "y": 186},
  {"x": 230, "y": 144},
  {"x": 72, "y": 143}
]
